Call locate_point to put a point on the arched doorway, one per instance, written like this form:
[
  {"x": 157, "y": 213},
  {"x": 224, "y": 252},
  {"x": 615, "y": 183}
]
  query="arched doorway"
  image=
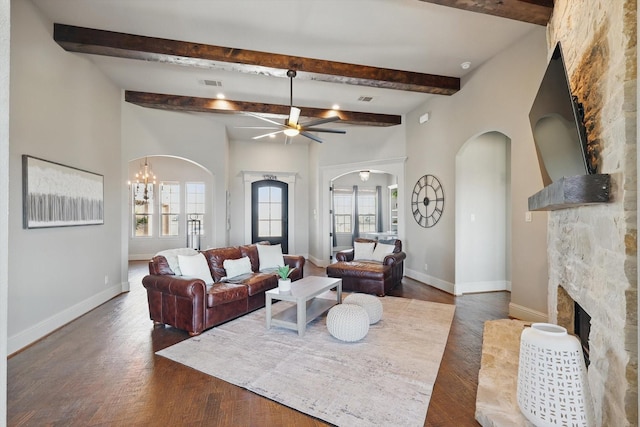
[{"x": 483, "y": 214}]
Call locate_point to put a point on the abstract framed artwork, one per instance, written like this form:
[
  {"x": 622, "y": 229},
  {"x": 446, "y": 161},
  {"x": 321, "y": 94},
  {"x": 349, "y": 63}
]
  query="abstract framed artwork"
[{"x": 55, "y": 195}]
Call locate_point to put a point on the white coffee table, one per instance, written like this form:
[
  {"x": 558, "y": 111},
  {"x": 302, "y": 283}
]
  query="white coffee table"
[{"x": 308, "y": 307}]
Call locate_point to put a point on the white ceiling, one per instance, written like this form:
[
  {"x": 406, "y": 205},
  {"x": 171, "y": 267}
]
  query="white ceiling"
[{"x": 408, "y": 35}]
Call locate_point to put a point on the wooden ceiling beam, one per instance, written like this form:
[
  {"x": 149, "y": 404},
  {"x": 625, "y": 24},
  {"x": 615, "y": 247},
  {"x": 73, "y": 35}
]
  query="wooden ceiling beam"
[
  {"x": 532, "y": 11},
  {"x": 109, "y": 43},
  {"x": 225, "y": 106}
]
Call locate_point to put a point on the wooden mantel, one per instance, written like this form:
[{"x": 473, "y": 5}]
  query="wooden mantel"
[{"x": 572, "y": 191}]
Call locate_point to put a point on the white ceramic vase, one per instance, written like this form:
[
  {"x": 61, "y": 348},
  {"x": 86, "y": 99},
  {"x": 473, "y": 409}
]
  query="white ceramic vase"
[
  {"x": 553, "y": 389},
  {"x": 284, "y": 285}
]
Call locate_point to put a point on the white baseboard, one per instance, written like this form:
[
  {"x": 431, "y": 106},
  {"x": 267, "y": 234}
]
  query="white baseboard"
[
  {"x": 46, "y": 326},
  {"x": 486, "y": 286},
  {"x": 431, "y": 281},
  {"x": 527, "y": 314}
]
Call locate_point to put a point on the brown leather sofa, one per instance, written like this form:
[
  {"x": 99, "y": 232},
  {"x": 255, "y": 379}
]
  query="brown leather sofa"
[
  {"x": 372, "y": 277},
  {"x": 187, "y": 303}
]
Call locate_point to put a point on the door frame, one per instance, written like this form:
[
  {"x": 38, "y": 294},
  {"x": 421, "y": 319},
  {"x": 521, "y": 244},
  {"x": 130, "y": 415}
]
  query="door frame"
[{"x": 250, "y": 177}]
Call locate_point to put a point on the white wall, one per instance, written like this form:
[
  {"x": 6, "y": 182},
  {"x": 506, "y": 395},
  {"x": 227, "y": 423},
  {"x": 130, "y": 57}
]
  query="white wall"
[
  {"x": 273, "y": 158},
  {"x": 495, "y": 97},
  {"x": 4, "y": 198},
  {"x": 64, "y": 110},
  {"x": 481, "y": 214},
  {"x": 194, "y": 137},
  {"x": 168, "y": 169}
]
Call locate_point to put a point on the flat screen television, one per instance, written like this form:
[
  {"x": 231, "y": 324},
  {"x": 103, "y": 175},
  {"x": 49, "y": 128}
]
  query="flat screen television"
[{"x": 557, "y": 122}]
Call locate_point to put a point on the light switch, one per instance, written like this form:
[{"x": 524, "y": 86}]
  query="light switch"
[{"x": 527, "y": 216}]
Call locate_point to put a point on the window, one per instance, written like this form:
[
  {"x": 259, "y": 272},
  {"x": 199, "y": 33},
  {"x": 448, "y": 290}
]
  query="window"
[
  {"x": 142, "y": 209},
  {"x": 342, "y": 210},
  {"x": 270, "y": 212},
  {"x": 195, "y": 206},
  {"x": 367, "y": 211},
  {"x": 169, "y": 208}
]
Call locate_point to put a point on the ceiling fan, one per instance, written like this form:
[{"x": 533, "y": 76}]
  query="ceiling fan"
[{"x": 291, "y": 127}]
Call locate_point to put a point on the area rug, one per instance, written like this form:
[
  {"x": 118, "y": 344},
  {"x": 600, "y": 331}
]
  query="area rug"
[{"x": 384, "y": 379}]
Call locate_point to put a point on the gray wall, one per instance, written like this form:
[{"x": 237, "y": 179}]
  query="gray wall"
[
  {"x": 64, "y": 110},
  {"x": 495, "y": 97}
]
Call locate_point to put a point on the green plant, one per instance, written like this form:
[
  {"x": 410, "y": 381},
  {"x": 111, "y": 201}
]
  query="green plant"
[{"x": 284, "y": 272}]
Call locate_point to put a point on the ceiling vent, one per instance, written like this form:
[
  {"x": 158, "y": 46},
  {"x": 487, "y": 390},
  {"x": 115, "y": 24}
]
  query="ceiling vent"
[
  {"x": 214, "y": 83},
  {"x": 365, "y": 98}
]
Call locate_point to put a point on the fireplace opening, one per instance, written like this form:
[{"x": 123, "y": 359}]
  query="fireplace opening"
[{"x": 582, "y": 327}]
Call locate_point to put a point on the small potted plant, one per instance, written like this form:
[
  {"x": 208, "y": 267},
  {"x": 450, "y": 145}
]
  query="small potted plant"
[{"x": 284, "y": 283}]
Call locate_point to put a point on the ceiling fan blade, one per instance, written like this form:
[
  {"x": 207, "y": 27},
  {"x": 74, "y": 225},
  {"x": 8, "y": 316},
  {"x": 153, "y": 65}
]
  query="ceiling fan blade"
[
  {"x": 294, "y": 115},
  {"x": 321, "y": 121},
  {"x": 268, "y": 134},
  {"x": 255, "y": 127},
  {"x": 323, "y": 130},
  {"x": 310, "y": 136},
  {"x": 262, "y": 118}
]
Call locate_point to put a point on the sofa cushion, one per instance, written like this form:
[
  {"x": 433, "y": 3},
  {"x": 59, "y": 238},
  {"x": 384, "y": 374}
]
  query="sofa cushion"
[
  {"x": 270, "y": 257},
  {"x": 260, "y": 282},
  {"x": 251, "y": 252},
  {"x": 237, "y": 267},
  {"x": 381, "y": 251},
  {"x": 172, "y": 257},
  {"x": 222, "y": 293},
  {"x": 363, "y": 250},
  {"x": 195, "y": 266},
  {"x": 216, "y": 257}
]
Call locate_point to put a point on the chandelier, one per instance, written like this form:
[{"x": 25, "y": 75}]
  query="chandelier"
[{"x": 143, "y": 178}]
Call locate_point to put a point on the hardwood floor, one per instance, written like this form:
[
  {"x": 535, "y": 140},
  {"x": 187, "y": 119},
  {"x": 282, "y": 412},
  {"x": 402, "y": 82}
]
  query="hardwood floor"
[{"x": 101, "y": 370}]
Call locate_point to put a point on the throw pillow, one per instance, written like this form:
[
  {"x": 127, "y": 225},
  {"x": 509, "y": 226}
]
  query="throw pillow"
[
  {"x": 237, "y": 267},
  {"x": 381, "y": 251},
  {"x": 363, "y": 250},
  {"x": 172, "y": 257},
  {"x": 195, "y": 266},
  {"x": 270, "y": 256}
]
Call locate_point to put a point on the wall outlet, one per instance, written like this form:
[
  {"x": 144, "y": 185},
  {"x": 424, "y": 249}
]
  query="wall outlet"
[
  {"x": 426, "y": 267},
  {"x": 106, "y": 279}
]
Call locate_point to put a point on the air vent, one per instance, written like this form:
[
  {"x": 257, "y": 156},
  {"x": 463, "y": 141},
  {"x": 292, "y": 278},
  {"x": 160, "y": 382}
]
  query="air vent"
[
  {"x": 365, "y": 98},
  {"x": 212, "y": 83}
]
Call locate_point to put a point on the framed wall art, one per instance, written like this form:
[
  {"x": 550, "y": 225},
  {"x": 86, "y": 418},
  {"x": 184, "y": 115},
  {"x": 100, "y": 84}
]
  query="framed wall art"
[{"x": 55, "y": 195}]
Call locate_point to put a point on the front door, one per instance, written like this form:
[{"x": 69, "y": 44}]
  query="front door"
[{"x": 269, "y": 208}]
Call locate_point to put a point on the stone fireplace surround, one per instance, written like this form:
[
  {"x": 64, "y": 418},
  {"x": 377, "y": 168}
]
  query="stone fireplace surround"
[{"x": 592, "y": 250}]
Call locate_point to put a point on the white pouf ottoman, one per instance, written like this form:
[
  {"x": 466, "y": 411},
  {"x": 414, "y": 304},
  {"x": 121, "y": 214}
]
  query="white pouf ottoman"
[
  {"x": 348, "y": 322},
  {"x": 370, "y": 303}
]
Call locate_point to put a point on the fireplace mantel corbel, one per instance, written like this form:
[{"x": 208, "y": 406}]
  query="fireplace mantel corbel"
[{"x": 572, "y": 191}]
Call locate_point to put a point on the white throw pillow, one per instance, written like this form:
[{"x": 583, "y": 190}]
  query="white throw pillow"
[
  {"x": 237, "y": 267},
  {"x": 172, "y": 257},
  {"x": 270, "y": 256},
  {"x": 381, "y": 251},
  {"x": 195, "y": 266},
  {"x": 363, "y": 250}
]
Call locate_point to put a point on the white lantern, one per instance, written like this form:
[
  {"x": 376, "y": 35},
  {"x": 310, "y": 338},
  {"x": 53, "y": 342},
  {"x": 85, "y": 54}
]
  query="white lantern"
[{"x": 552, "y": 378}]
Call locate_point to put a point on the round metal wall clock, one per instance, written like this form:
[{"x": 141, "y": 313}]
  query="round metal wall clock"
[{"x": 427, "y": 201}]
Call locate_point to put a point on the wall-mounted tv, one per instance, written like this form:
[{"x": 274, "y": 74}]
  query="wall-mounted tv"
[{"x": 557, "y": 122}]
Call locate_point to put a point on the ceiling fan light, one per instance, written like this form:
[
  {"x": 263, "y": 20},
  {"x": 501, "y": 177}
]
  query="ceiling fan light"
[
  {"x": 294, "y": 115},
  {"x": 291, "y": 132}
]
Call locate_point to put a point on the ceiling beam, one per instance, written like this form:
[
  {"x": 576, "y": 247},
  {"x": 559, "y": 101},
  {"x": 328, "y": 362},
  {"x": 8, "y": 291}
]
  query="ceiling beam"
[
  {"x": 121, "y": 45},
  {"x": 532, "y": 11},
  {"x": 225, "y": 106}
]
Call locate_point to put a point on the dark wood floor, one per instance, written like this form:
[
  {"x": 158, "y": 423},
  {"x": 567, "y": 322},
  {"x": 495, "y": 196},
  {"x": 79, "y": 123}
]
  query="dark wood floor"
[{"x": 101, "y": 370}]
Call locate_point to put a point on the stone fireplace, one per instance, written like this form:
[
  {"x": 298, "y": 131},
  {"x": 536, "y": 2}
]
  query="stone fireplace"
[{"x": 592, "y": 250}]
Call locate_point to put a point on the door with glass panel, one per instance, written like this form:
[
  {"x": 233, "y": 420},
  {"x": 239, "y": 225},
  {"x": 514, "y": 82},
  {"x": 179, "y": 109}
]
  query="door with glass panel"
[{"x": 269, "y": 208}]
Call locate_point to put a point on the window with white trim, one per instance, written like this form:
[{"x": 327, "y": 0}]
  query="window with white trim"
[
  {"x": 195, "y": 203},
  {"x": 142, "y": 209},
  {"x": 169, "y": 209}
]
